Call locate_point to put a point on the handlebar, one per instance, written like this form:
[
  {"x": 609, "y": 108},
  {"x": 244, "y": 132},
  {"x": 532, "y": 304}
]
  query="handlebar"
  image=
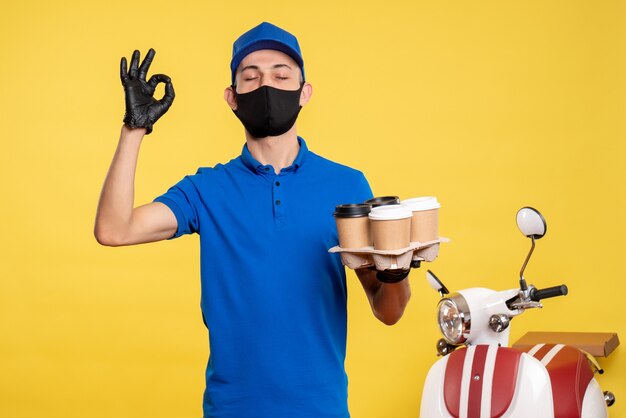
[{"x": 537, "y": 294}]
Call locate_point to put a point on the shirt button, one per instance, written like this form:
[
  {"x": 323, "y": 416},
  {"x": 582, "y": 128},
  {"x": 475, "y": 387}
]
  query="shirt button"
[
  {"x": 278, "y": 202},
  {"x": 267, "y": 169},
  {"x": 278, "y": 183}
]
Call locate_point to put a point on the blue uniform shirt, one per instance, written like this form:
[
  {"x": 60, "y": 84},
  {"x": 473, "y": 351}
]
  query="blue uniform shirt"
[{"x": 273, "y": 298}]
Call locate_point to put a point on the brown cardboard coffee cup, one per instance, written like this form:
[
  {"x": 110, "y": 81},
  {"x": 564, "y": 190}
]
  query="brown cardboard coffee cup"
[
  {"x": 425, "y": 221},
  {"x": 391, "y": 227},
  {"x": 353, "y": 226}
]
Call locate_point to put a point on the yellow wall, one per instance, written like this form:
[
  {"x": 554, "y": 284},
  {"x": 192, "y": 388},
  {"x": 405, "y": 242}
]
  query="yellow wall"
[{"x": 489, "y": 105}]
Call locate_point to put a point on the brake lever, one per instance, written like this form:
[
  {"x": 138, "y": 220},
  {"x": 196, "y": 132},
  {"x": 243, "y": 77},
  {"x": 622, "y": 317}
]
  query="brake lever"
[
  {"x": 524, "y": 301},
  {"x": 526, "y": 305}
]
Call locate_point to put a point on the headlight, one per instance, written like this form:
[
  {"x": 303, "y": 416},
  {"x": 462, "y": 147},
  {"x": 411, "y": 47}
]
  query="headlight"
[{"x": 453, "y": 316}]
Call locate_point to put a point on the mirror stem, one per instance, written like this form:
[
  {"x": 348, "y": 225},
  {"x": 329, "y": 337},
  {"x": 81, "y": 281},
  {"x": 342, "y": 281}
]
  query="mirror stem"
[{"x": 522, "y": 281}]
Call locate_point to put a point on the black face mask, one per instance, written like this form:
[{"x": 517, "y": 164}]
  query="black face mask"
[{"x": 268, "y": 111}]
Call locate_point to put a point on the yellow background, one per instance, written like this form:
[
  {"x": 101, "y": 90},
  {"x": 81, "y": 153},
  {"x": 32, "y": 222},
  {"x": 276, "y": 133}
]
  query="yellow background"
[{"x": 489, "y": 105}]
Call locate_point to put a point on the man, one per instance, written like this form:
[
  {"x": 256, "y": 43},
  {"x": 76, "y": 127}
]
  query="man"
[{"x": 273, "y": 298}]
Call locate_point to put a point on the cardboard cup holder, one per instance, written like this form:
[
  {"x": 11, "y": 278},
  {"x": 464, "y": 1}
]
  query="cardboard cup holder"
[{"x": 355, "y": 258}]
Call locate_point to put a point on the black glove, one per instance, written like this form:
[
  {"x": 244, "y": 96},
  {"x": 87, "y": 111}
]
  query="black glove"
[
  {"x": 142, "y": 109},
  {"x": 392, "y": 276}
]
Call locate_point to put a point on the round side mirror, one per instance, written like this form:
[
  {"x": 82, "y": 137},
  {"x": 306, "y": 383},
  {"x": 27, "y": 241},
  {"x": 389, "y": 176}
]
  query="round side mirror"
[
  {"x": 436, "y": 284},
  {"x": 531, "y": 223}
]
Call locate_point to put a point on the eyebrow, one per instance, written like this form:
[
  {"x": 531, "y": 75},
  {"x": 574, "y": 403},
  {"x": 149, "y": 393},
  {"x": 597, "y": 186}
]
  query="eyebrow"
[{"x": 256, "y": 67}]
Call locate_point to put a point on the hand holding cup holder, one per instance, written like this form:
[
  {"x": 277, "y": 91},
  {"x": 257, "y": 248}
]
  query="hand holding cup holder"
[{"x": 399, "y": 236}]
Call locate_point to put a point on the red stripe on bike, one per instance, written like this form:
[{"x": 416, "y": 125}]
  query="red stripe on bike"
[
  {"x": 452, "y": 382},
  {"x": 543, "y": 351},
  {"x": 476, "y": 381},
  {"x": 504, "y": 379},
  {"x": 570, "y": 375}
]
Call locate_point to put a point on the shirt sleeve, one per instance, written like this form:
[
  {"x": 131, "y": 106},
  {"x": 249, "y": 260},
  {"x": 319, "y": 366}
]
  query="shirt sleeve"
[{"x": 183, "y": 200}]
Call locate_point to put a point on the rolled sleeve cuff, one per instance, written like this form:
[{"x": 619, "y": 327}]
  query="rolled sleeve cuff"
[{"x": 178, "y": 213}]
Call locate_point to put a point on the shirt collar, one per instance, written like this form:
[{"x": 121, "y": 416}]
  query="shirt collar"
[{"x": 257, "y": 167}]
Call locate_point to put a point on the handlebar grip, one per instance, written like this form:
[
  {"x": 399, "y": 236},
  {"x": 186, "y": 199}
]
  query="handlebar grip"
[{"x": 550, "y": 292}]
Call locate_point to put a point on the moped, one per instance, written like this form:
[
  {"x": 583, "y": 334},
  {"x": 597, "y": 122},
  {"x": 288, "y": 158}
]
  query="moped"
[{"x": 480, "y": 376}]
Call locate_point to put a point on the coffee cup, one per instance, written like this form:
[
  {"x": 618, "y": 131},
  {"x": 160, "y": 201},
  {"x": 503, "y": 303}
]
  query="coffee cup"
[
  {"x": 391, "y": 227},
  {"x": 353, "y": 225},
  {"x": 383, "y": 201},
  {"x": 425, "y": 221}
]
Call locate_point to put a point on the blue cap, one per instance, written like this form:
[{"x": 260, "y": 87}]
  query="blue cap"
[{"x": 265, "y": 36}]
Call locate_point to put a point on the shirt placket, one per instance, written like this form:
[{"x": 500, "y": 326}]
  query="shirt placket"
[
  {"x": 278, "y": 200},
  {"x": 277, "y": 193}
]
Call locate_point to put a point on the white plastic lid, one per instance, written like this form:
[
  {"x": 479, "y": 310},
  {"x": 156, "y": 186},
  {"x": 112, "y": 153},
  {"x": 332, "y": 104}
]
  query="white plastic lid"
[
  {"x": 421, "y": 203},
  {"x": 389, "y": 213}
]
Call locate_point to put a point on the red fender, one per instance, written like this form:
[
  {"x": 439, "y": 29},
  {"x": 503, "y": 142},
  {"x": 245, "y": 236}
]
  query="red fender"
[
  {"x": 570, "y": 374},
  {"x": 503, "y": 387}
]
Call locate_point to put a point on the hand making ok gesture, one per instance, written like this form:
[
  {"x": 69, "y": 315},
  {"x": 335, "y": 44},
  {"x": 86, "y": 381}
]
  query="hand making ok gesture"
[{"x": 142, "y": 109}]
